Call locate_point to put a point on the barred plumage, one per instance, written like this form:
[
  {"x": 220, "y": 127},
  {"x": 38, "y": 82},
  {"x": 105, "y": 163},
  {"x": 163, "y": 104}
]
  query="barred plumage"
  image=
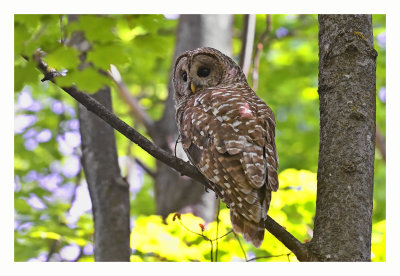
[{"x": 228, "y": 133}]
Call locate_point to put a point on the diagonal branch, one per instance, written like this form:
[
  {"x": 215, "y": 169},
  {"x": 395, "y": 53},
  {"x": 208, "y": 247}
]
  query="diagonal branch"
[
  {"x": 299, "y": 249},
  {"x": 94, "y": 106}
]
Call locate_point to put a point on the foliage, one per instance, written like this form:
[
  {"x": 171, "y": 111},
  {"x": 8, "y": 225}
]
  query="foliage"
[
  {"x": 52, "y": 206},
  {"x": 181, "y": 238}
]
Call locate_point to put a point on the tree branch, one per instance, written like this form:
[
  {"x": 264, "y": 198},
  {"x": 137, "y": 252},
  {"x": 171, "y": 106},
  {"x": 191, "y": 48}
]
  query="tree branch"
[
  {"x": 300, "y": 250},
  {"x": 94, "y": 106}
]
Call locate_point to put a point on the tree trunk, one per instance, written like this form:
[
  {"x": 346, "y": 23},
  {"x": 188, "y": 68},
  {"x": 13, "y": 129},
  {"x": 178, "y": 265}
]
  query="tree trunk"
[
  {"x": 347, "y": 65},
  {"x": 173, "y": 192},
  {"x": 109, "y": 192}
]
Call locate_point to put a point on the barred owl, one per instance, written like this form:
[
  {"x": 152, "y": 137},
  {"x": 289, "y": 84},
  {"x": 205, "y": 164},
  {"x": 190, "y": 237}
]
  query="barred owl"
[{"x": 228, "y": 133}]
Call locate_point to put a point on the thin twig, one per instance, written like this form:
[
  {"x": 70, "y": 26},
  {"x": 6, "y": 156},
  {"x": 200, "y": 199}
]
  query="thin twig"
[
  {"x": 145, "y": 168},
  {"x": 211, "y": 253},
  {"x": 241, "y": 246},
  {"x": 267, "y": 257},
  {"x": 53, "y": 247},
  {"x": 216, "y": 235},
  {"x": 202, "y": 234},
  {"x": 62, "y": 39},
  {"x": 226, "y": 234},
  {"x": 259, "y": 48},
  {"x": 187, "y": 229}
]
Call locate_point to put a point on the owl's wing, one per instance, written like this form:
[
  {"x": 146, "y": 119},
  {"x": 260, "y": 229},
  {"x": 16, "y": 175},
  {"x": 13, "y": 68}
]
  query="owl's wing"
[
  {"x": 231, "y": 140},
  {"x": 229, "y": 137},
  {"x": 267, "y": 119},
  {"x": 240, "y": 122}
]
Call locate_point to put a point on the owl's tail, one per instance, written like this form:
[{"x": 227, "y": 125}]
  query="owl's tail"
[{"x": 251, "y": 231}]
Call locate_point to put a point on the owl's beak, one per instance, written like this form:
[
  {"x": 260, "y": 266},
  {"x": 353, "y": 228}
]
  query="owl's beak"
[{"x": 192, "y": 87}]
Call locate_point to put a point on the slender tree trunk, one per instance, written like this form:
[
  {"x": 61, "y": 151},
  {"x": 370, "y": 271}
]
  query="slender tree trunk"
[
  {"x": 347, "y": 65},
  {"x": 109, "y": 192},
  {"x": 173, "y": 192}
]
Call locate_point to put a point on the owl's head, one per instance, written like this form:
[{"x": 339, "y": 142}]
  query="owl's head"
[{"x": 204, "y": 68}]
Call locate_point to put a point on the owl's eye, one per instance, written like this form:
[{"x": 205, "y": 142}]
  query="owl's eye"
[
  {"x": 184, "y": 76},
  {"x": 203, "y": 72}
]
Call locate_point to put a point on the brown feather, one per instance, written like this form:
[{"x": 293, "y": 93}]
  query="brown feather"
[
  {"x": 229, "y": 135},
  {"x": 250, "y": 231}
]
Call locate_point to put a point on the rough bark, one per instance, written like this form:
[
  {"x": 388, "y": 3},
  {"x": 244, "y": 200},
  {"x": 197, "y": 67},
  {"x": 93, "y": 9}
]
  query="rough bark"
[
  {"x": 347, "y": 66},
  {"x": 174, "y": 192},
  {"x": 109, "y": 192}
]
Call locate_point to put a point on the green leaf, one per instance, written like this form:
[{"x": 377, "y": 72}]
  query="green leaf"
[
  {"x": 378, "y": 246},
  {"x": 104, "y": 55},
  {"x": 36, "y": 31},
  {"x": 143, "y": 204},
  {"x": 29, "y": 20},
  {"x": 21, "y": 35},
  {"x": 91, "y": 24},
  {"x": 88, "y": 80},
  {"x": 22, "y": 206},
  {"x": 63, "y": 58},
  {"x": 24, "y": 74}
]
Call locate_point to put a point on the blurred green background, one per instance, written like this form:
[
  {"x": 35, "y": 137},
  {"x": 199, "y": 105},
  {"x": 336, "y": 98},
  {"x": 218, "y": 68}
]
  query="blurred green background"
[{"x": 53, "y": 220}]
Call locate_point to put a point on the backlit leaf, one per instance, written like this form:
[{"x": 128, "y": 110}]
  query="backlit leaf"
[{"x": 63, "y": 58}]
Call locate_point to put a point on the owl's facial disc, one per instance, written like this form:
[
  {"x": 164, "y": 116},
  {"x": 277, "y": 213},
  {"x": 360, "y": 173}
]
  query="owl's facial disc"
[
  {"x": 181, "y": 78},
  {"x": 205, "y": 71}
]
